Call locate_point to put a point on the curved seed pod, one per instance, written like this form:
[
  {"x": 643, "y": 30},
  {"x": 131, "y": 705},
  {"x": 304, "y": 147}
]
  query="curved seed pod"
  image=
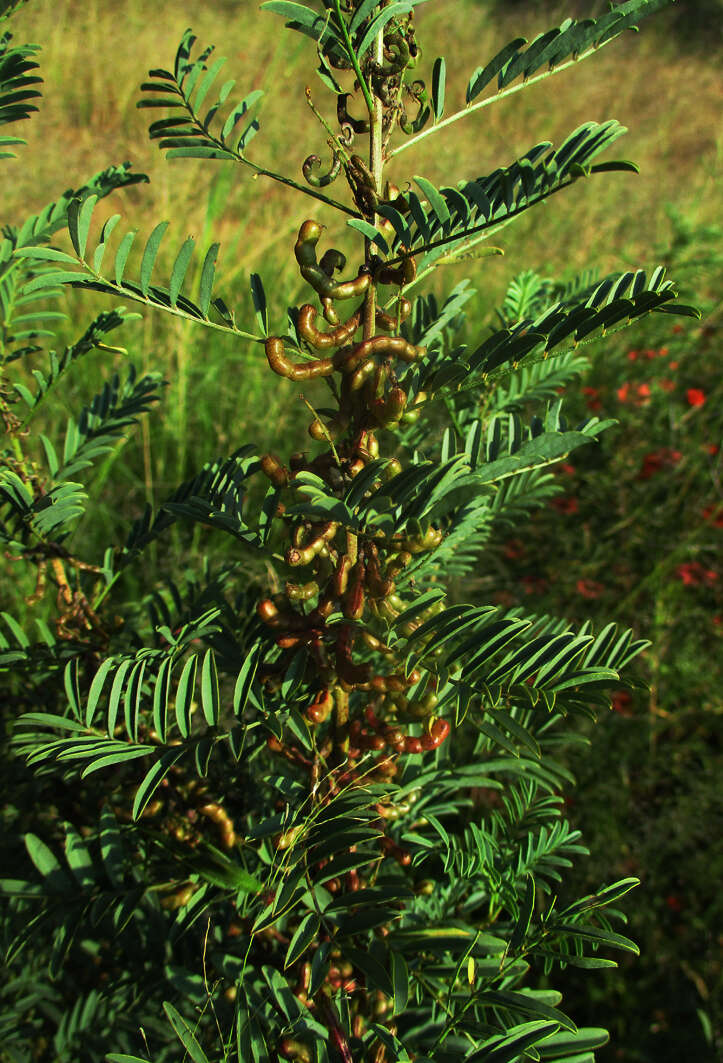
[
  {"x": 221, "y": 817},
  {"x": 301, "y": 592},
  {"x": 396, "y": 54},
  {"x": 349, "y": 358},
  {"x": 324, "y": 179},
  {"x": 324, "y": 340},
  {"x": 283, "y": 841},
  {"x": 341, "y": 576},
  {"x": 366, "y": 445},
  {"x": 394, "y": 467},
  {"x": 321, "y": 707},
  {"x": 358, "y": 125},
  {"x": 329, "y": 310},
  {"x": 353, "y": 606},
  {"x": 420, "y": 95},
  {"x": 403, "y": 858},
  {"x": 429, "y": 541},
  {"x": 297, "y": 461},
  {"x": 389, "y": 410},
  {"x": 306, "y": 554},
  {"x": 276, "y": 472},
  {"x": 280, "y": 364},
  {"x": 332, "y": 429},
  {"x": 437, "y": 734},
  {"x": 178, "y": 899},
  {"x": 311, "y": 271},
  {"x": 332, "y": 260},
  {"x": 378, "y": 587},
  {"x": 268, "y": 613},
  {"x": 374, "y": 643},
  {"x": 350, "y": 674},
  {"x": 388, "y": 322},
  {"x": 402, "y": 274},
  {"x": 360, "y": 376}
]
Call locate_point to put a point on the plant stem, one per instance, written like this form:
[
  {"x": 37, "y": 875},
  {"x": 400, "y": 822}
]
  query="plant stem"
[{"x": 376, "y": 166}]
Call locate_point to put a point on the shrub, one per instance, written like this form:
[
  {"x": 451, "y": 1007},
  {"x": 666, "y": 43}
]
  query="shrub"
[{"x": 306, "y": 803}]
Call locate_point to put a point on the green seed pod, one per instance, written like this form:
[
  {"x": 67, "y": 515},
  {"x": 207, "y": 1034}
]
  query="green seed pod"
[
  {"x": 320, "y": 180},
  {"x": 358, "y": 125},
  {"x": 301, "y": 592}
]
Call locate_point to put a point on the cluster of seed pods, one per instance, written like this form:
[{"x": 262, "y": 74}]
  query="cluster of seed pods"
[{"x": 340, "y": 571}]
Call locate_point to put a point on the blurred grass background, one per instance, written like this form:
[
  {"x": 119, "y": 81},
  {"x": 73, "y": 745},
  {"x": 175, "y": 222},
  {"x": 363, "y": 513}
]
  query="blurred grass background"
[
  {"x": 96, "y": 54},
  {"x": 663, "y": 83}
]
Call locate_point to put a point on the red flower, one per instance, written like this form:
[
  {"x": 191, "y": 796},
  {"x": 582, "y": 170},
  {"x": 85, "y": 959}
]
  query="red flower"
[
  {"x": 692, "y": 574},
  {"x": 712, "y": 449},
  {"x": 565, "y": 505},
  {"x": 650, "y": 354},
  {"x": 695, "y": 396},
  {"x": 622, "y": 393},
  {"x": 714, "y": 513},
  {"x": 677, "y": 329},
  {"x": 568, "y": 469},
  {"x": 673, "y": 365},
  {"x": 593, "y": 399},
  {"x": 633, "y": 356},
  {"x": 534, "y": 584},
  {"x": 674, "y": 903},
  {"x": 667, "y": 385},
  {"x": 588, "y": 588},
  {"x": 622, "y": 703},
  {"x": 514, "y": 549},
  {"x": 643, "y": 391},
  {"x": 657, "y": 460}
]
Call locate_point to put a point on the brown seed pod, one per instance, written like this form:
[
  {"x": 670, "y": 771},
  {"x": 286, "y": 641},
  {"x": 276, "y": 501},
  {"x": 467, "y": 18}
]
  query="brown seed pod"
[
  {"x": 388, "y": 322},
  {"x": 388, "y": 411},
  {"x": 402, "y": 274},
  {"x": 276, "y": 472},
  {"x": 437, "y": 734},
  {"x": 325, "y": 340},
  {"x": 220, "y": 816},
  {"x": 277, "y": 359},
  {"x": 349, "y": 358},
  {"x": 360, "y": 376},
  {"x": 311, "y": 271},
  {"x": 353, "y": 605},
  {"x": 341, "y": 576},
  {"x": 321, "y": 707},
  {"x": 333, "y": 429}
]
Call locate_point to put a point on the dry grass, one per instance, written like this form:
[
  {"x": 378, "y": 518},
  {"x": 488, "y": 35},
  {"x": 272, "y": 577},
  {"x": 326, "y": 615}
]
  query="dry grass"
[{"x": 95, "y": 55}]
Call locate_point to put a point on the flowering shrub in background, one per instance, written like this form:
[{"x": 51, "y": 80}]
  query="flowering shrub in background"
[{"x": 648, "y": 504}]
